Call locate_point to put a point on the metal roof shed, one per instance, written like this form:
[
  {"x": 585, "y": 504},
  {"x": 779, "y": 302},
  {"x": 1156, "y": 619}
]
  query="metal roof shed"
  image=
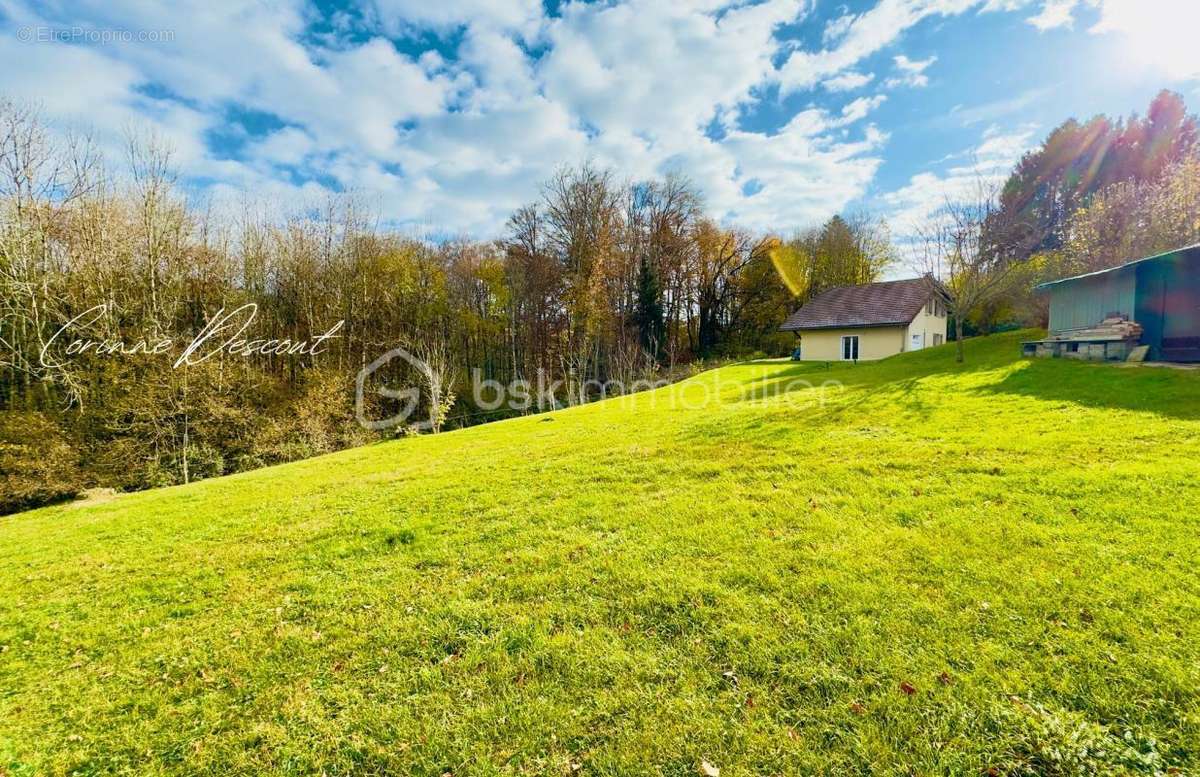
[{"x": 1161, "y": 293}]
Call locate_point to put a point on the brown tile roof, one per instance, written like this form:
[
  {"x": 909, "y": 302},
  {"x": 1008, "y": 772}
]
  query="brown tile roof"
[{"x": 889, "y": 303}]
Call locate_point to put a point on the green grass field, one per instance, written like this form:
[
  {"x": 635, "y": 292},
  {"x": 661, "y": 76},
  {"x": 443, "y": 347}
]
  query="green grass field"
[{"x": 946, "y": 569}]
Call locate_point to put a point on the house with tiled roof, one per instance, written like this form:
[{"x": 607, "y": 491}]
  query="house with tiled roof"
[{"x": 871, "y": 321}]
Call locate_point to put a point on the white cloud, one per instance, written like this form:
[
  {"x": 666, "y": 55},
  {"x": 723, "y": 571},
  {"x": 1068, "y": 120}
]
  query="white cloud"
[
  {"x": 662, "y": 70},
  {"x": 399, "y": 16},
  {"x": 996, "y": 109},
  {"x": 500, "y": 65},
  {"x": 987, "y": 163},
  {"x": 911, "y": 72},
  {"x": 804, "y": 176},
  {"x": 866, "y": 34},
  {"x": 857, "y": 110},
  {"x": 997, "y": 6},
  {"x": 1054, "y": 13},
  {"x": 69, "y": 82},
  {"x": 912, "y": 66},
  {"x": 248, "y": 55},
  {"x": 287, "y": 146},
  {"x": 851, "y": 38},
  {"x": 458, "y": 139},
  {"x": 848, "y": 81},
  {"x": 836, "y": 28}
]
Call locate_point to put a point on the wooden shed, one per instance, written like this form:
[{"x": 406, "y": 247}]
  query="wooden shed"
[{"x": 1153, "y": 302}]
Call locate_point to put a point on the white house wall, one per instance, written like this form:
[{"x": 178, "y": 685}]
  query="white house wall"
[{"x": 922, "y": 329}]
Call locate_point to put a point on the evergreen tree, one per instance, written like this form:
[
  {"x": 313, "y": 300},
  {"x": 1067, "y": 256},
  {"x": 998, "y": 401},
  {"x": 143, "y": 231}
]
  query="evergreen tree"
[
  {"x": 648, "y": 313},
  {"x": 1077, "y": 160}
]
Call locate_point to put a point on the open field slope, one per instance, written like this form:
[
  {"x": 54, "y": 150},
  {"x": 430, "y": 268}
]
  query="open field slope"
[{"x": 940, "y": 569}]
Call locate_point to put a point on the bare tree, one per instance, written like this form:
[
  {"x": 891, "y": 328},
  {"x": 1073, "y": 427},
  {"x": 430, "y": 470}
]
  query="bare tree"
[
  {"x": 582, "y": 207},
  {"x": 38, "y": 173},
  {"x": 968, "y": 256},
  {"x": 162, "y": 218},
  {"x": 721, "y": 257},
  {"x": 42, "y": 176},
  {"x": 437, "y": 373}
]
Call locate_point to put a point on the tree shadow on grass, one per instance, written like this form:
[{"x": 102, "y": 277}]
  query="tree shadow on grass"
[
  {"x": 1148, "y": 389},
  {"x": 993, "y": 367},
  {"x": 1165, "y": 392},
  {"x": 898, "y": 378},
  {"x": 1162, "y": 391}
]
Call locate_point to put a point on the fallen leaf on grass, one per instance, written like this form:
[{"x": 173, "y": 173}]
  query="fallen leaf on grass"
[
  {"x": 908, "y": 688},
  {"x": 945, "y": 678},
  {"x": 857, "y": 708},
  {"x": 708, "y": 770}
]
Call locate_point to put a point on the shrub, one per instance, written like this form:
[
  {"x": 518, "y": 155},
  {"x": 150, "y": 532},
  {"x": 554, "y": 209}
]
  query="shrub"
[{"x": 38, "y": 464}]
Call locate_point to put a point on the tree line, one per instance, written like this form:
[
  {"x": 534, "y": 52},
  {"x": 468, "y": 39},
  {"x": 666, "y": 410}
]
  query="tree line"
[
  {"x": 599, "y": 280},
  {"x": 1091, "y": 196}
]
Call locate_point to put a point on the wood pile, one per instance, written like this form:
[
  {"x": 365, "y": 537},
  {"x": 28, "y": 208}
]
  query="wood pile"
[
  {"x": 1113, "y": 339},
  {"x": 1111, "y": 328}
]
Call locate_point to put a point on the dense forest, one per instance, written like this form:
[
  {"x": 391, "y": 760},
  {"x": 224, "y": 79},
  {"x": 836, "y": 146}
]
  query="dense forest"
[{"x": 599, "y": 281}]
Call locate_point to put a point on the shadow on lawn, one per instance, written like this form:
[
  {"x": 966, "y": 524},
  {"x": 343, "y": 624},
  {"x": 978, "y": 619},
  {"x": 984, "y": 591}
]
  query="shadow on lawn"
[
  {"x": 1165, "y": 392},
  {"x": 1162, "y": 391},
  {"x": 900, "y": 375}
]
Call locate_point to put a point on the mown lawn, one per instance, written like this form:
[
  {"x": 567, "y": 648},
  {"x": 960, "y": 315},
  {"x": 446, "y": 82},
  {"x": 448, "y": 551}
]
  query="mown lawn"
[{"x": 940, "y": 569}]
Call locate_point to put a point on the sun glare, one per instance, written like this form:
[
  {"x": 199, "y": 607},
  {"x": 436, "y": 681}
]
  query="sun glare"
[{"x": 1159, "y": 34}]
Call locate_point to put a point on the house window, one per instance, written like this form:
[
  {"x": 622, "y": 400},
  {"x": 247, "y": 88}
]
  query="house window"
[
  {"x": 937, "y": 339},
  {"x": 918, "y": 342},
  {"x": 849, "y": 347}
]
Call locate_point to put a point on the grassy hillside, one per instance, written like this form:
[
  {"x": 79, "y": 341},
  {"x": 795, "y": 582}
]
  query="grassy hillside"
[{"x": 941, "y": 568}]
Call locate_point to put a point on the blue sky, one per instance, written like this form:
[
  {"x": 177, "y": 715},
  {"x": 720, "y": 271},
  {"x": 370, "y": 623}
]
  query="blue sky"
[{"x": 446, "y": 115}]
